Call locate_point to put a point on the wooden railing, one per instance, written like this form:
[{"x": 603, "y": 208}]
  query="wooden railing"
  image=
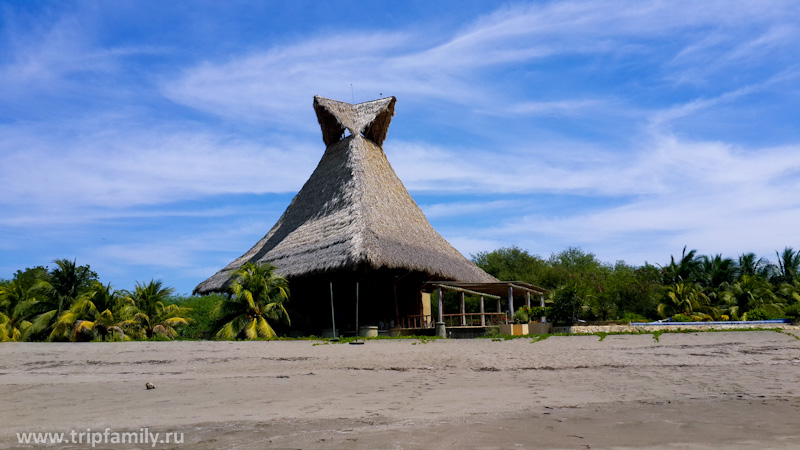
[
  {"x": 455, "y": 320},
  {"x": 474, "y": 319},
  {"x": 421, "y": 321}
]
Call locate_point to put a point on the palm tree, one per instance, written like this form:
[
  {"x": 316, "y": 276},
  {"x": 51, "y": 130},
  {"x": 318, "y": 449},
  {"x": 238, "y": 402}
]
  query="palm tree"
[
  {"x": 688, "y": 299},
  {"x": 717, "y": 270},
  {"x": 789, "y": 293},
  {"x": 8, "y": 332},
  {"x": 94, "y": 316},
  {"x": 749, "y": 264},
  {"x": 788, "y": 265},
  {"x": 64, "y": 325},
  {"x": 603, "y": 305},
  {"x": 750, "y": 292},
  {"x": 55, "y": 295},
  {"x": 681, "y": 271},
  {"x": 145, "y": 312},
  {"x": 255, "y": 298},
  {"x": 13, "y": 294}
]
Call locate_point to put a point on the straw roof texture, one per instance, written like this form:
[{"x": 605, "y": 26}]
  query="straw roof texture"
[
  {"x": 369, "y": 118},
  {"x": 353, "y": 211}
]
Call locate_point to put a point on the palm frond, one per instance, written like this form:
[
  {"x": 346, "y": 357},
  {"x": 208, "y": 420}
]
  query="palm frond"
[
  {"x": 251, "y": 329},
  {"x": 175, "y": 321},
  {"x": 41, "y": 322},
  {"x": 264, "y": 330}
]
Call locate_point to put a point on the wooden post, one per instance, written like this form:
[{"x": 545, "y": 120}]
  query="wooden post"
[
  {"x": 396, "y": 306},
  {"x": 439, "y": 317},
  {"x": 511, "y": 301},
  {"x": 462, "y": 309},
  {"x": 483, "y": 316},
  {"x": 333, "y": 316},
  {"x": 528, "y": 299},
  {"x": 541, "y": 303},
  {"x": 357, "y": 330}
]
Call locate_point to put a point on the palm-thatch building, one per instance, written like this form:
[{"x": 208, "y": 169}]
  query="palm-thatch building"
[{"x": 354, "y": 222}]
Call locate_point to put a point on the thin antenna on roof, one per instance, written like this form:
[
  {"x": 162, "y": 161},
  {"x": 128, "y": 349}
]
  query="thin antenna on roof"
[{"x": 351, "y": 93}]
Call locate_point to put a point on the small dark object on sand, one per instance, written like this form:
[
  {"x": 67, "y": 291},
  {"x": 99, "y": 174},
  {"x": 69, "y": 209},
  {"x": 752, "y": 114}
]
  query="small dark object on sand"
[{"x": 149, "y": 386}]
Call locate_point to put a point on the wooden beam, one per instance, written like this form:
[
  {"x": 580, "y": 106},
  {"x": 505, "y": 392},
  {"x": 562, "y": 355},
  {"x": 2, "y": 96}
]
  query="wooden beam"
[
  {"x": 523, "y": 288},
  {"x": 458, "y": 289}
]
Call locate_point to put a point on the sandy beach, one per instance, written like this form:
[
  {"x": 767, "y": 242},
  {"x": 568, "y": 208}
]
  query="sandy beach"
[{"x": 699, "y": 390}]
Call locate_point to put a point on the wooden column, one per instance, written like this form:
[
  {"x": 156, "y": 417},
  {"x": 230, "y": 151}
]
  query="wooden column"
[
  {"x": 510, "y": 301},
  {"x": 333, "y": 316},
  {"x": 396, "y": 305},
  {"x": 462, "y": 309},
  {"x": 441, "y": 305},
  {"x": 528, "y": 299},
  {"x": 541, "y": 303},
  {"x": 483, "y": 315}
]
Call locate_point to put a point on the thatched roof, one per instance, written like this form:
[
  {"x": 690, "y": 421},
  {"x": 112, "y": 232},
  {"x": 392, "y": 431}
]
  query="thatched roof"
[
  {"x": 354, "y": 211},
  {"x": 371, "y": 119}
]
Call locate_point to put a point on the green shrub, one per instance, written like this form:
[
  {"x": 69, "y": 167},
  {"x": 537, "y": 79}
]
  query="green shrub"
[
  {"x": 792, "y": 311},
  {"x": 760, "y": 314},
  {"x": 202, "y": 307},
  {"x": 567, "y": 304},
  {"x": 633, "y": 317},
  {"x": 536, "y": 312},
  {"x": 682, "y": 318},
  {"x": 521, "y": 316}
]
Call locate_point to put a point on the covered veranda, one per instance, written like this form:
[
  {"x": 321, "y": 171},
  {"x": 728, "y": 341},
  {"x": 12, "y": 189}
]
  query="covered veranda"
[{"x": 489, "y": 315}]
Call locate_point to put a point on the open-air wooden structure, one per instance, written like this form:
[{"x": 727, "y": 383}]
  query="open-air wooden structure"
[{"x": 496, "y": 291}]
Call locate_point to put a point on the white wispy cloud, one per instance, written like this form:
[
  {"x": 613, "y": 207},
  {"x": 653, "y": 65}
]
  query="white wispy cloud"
[
  {"x": 129, "y": 165},
  {"x": 710, "y": 196},
  {"x": 556, "y": 108},
  {"x": 591, "y": 170},
  {"x": 275, "y": 84},
  {"x": 461, "y": 208},
  {"x": 53, "y": 57}
]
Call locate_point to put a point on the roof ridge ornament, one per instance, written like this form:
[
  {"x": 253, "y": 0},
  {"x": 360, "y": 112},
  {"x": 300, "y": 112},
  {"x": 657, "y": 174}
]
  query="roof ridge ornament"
[{"x": 369, "y": 119}]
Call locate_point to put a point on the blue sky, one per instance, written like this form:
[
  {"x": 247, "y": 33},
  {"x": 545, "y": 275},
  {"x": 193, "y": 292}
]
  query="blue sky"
[{"x": 163, "y": 139}]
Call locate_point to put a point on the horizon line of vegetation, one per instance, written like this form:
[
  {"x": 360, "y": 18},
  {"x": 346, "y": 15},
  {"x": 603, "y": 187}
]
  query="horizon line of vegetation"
[{"x": 69, "y": 303}]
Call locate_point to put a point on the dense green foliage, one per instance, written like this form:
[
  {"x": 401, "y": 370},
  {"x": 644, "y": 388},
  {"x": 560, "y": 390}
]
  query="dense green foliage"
[
  {"x": 68, "y": 301},
  {"x": 201, "y": 310},
  {"x": 696, "y": 287}
]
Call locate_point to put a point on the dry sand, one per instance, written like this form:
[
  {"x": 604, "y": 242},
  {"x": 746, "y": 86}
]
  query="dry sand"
[{"x": 700, "y": 390}]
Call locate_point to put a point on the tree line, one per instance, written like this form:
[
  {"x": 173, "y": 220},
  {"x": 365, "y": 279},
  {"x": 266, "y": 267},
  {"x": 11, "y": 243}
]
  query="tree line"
[
  {"x": 690, "y": 287},
  {"x": 68, "y": 303}
]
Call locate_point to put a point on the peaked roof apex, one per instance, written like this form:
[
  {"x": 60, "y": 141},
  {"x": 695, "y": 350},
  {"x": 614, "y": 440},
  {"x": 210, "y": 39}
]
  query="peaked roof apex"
[{"x": 370, "y": 119}]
